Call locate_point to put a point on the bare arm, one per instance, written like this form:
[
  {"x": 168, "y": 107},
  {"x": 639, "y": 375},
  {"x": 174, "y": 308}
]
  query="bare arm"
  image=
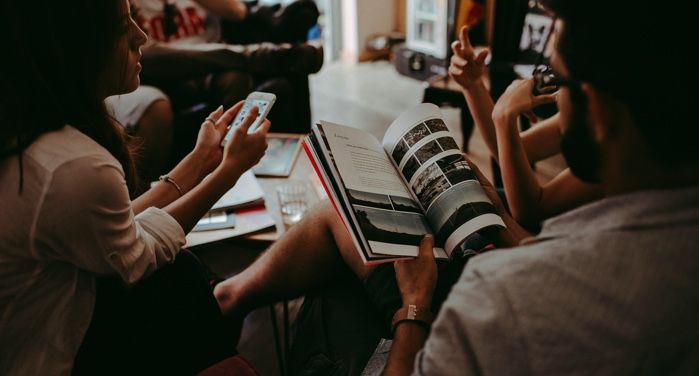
[
  {"x": 513, "y": 233},
  {"x": 481, "y": 105},
  {"x": 232, "y": 10},
  {"x": 187, "y": 174},
  {"x": 408, "y": 339},
  {"x": 543, "y": 140},
  {"x": 467, "y": 69},
  {"x": 521, "y": 186},
  {"x": 565, "y": 192},
  {"x": 416, "y": 280},
  {"x": 193, "y": 205},
  {"x": 529, "y": 201},
  {"x": 239, "y": 154}
]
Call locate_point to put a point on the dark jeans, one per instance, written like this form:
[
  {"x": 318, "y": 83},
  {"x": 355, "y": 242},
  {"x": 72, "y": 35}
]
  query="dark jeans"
[
  {"x": 273, "y": 24},
  {"x": 167, "y": 324},
  {"x": 192, "y": 77}
]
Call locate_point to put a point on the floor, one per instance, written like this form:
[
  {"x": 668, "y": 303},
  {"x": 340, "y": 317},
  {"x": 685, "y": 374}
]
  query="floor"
[{"x": 368, "y": 96}]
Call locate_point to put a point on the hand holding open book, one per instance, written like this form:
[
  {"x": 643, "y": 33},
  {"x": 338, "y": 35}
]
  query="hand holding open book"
[{"x": 390, "y": 193}]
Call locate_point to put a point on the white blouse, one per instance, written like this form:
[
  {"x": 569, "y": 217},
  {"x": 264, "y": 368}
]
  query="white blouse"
[{"x": 73, "y": 220}]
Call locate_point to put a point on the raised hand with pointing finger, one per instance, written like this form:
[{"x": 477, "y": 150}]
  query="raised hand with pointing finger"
[{"x": 466, "y": 66}]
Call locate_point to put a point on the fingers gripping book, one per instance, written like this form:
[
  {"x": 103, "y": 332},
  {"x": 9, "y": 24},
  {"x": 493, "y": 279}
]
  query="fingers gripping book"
[{"x": 390, "y": 193}]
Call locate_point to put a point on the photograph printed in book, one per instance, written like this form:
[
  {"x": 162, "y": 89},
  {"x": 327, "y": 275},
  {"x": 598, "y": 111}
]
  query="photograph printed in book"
[
  {"x": 419, "y": 132},
  {"x": 430, "y": 184},
  {"x": 388, "y": 219},
  {"x": 405, "y": 204},
  {"x": 461, "y": 215},
  {"x": 436, "y": 125},
  {"x": 399, "y": 151},
  {"x": 448, "y": 143},
  {"x": 427, "y": 151},
  {"x": 440, "y": 176},
  {"x": 410, "y": 168},
  {"x": 462, "y": 201},
  {"x": 416, "y": 134},
  {"x": 456, "y": 169}
]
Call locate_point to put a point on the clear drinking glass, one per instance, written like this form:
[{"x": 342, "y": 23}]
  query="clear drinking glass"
[{"x": 292, "y": 201}]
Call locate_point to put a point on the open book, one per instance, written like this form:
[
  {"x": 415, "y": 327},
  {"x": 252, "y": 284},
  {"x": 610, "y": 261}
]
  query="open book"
[
  {"x": 245, "y": 193},
  {"x": 391, "y": 193}
]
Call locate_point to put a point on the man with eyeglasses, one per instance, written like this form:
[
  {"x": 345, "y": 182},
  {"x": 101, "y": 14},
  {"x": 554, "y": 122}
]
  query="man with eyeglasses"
[{"x": 609, "y": 288}]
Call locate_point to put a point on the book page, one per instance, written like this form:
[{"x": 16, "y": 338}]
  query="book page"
[
  {"x": 389, "y": 218},
  {"x": 433, "y": 167},
  {"x": 245, "y": 192}
]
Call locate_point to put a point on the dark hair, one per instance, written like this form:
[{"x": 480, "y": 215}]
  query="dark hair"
[
  {"x": 637, "y": 52},
  {"x": 55, "y": 55}
]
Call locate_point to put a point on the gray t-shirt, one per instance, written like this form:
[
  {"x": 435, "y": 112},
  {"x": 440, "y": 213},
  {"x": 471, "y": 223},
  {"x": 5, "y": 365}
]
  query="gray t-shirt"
[{"x": 610, "y": 288}]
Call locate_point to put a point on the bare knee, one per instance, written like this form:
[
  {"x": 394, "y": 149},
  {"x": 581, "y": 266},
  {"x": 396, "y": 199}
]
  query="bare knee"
[
  {"x": 156, "y": 120},
  {"x": 231, "y": 87}
]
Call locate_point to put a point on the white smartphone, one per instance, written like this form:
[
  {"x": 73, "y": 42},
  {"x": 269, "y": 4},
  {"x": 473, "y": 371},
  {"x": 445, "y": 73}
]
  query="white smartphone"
[{"x": 263, "y": 101}]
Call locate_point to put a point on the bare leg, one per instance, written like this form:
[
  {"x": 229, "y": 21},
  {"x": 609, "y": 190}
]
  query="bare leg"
[
  {"x": 309, "y": 254},
  {"x": 228, "y": 88}
]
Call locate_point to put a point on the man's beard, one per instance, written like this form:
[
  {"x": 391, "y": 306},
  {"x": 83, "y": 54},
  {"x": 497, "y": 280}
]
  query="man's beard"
[{"x": 577, "y": 145}]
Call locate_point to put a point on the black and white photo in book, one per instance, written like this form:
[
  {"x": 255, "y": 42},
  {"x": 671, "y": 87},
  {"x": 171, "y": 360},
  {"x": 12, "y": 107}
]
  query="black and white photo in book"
[
  {"x": 390, "y": 193},
  {"x": 437, "y": 174}
]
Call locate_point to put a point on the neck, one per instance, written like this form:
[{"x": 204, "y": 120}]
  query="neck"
[{"x": 646, "y": 174}]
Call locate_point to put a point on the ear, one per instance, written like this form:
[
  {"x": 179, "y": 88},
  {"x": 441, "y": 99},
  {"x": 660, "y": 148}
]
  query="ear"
[{"x": 603, "y": 112}]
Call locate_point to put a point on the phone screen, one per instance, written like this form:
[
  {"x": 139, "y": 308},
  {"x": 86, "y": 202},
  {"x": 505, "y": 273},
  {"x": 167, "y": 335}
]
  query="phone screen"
[{"x": 261, "y": 105}]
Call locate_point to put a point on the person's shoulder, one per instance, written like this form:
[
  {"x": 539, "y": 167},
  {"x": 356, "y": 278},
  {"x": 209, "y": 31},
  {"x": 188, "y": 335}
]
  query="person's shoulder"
[
  {"x": 527, "y": 267},
  {"x": 68, "y": 145},
  {"x": 501, "y": 263}
]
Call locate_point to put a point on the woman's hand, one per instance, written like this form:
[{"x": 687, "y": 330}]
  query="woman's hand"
[
  {"x": 519, "y": 99},
  {"x": 466, "y": 67},
  {"x": 208, "y": 147},
  {"x": 244, "y": 149},
  {"x": 417, "y": 278}
]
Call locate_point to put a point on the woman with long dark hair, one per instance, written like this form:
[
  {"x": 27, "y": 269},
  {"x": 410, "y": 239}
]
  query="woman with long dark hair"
[{"x": 68, "y": 228}]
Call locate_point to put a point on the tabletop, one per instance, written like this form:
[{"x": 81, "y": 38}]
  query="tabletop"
[{"x": 302, "y": 171}]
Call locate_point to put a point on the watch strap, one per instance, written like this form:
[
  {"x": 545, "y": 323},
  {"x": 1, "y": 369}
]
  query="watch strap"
[{"x": 413, "y": 313}]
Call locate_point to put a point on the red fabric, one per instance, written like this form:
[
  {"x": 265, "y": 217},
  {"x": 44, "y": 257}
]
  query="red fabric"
[{"x": 236, "y": 365}]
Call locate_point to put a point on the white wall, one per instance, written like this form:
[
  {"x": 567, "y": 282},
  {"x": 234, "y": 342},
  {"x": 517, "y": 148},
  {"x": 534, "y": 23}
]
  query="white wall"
[{"x": 361, "y": 18}]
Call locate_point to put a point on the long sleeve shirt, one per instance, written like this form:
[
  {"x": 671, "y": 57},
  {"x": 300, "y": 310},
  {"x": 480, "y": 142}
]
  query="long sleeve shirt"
[{"x": 71, "y": 221}]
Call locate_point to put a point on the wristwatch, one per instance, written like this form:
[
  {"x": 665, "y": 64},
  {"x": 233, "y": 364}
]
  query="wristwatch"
[{"x": 420, "y": 316}]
